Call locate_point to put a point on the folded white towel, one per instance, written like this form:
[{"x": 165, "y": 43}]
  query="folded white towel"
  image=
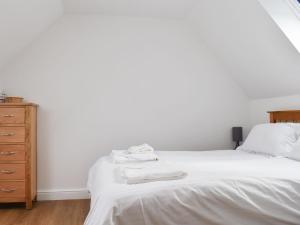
[
  {"x": 140, "y": 149},
  {"x": 149, "y": 173},
  {"x": 125, "y": 157}
]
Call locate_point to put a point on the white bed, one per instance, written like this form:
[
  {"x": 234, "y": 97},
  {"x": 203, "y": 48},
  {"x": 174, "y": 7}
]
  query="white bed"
[{"x": 222, "y": 188}]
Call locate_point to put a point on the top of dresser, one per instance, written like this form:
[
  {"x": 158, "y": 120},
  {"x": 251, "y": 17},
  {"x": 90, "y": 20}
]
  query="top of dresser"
[{"x": 18, "y": 104}]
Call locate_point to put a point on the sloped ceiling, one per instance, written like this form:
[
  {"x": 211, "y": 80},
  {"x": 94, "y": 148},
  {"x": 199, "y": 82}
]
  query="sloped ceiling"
[
  {"x": 22, "y": 21},
  {"x": 148, "y": 8},
  {"x": 255, "y": 50},
  {"x": 286, "y": 14},
  {"x": 241, "y": 33}
]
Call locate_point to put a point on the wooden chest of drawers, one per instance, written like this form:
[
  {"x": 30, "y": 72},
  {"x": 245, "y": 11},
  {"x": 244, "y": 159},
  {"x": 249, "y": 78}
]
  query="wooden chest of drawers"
[{"x": 18, "y": 153}]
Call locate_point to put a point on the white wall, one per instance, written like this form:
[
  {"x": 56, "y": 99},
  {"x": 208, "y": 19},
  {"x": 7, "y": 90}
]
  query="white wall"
[
  {"x": 22, "y": 21},
  {"x": 259, "y": 108},
  {"x": 107, "y": 83}
]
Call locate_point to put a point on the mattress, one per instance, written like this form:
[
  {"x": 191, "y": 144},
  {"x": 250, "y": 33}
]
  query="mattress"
[{"x": 223, "y": 187}]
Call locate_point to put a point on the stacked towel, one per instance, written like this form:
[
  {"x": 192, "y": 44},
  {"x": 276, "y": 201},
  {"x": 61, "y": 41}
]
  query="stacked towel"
[
  {"x": 141, "y": 149},
  {"x": 139, "y": 153},
  {"x": 125, "y": 157},
  {"x": 150, "y": 173},
  {"x": 144, "y": 172}
]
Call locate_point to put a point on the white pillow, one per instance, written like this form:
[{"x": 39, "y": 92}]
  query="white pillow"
[
  {"x": 295, "y": 153},
  {"x": 272, "y": 139},
  {"x": 296, "y": 126}
]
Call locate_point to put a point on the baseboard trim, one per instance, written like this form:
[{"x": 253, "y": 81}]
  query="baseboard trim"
[{"x": 63, "y": 194}]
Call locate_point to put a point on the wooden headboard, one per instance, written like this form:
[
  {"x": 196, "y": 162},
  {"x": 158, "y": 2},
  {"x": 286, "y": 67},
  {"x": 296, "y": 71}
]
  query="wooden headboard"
[{"x": 292, "y": 116}]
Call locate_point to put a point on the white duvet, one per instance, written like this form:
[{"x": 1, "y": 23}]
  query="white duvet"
[{"x": 222, "y": 188}]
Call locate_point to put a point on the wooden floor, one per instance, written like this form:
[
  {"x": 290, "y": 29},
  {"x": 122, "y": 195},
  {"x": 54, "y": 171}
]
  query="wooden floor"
[{"x": 45, "y": 213}]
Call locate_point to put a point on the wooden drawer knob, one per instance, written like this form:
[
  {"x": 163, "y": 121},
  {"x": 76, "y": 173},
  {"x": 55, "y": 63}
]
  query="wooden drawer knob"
[
  {"x": 7, "y": 153},
  {"x": 9, "y": 115},
  {"x": 8, "y": 190},
  {"x": 7, "y": 171},
  {"x": 7, "y": 134}
]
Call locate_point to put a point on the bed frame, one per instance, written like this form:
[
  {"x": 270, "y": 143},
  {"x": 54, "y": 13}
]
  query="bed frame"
[{"x": 285, "y": 116}]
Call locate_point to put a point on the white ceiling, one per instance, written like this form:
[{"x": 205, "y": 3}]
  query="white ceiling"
[
  {"x": 251, "y": 45},
  {"x": 286, "y": 16},
  {"x": 21, "y": 22},
  {"x": 242, "y": 35},
  {"x": 148, "y": 8}
]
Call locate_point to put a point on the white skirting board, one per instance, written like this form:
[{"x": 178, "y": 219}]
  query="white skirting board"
[{"x": 63, "y": 194}]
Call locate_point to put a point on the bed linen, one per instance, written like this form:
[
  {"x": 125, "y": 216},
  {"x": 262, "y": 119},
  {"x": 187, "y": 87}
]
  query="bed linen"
[{"x": 222, "y": 188}]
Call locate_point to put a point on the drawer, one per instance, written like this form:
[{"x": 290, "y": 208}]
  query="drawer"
[
  {"x": 12, "y": 171},
  {"x": 10, "y": 189},
  {"x": 12, "y": 115},
  {"x": 12, "y": 152},
  {"x": 12, "y": 134}
]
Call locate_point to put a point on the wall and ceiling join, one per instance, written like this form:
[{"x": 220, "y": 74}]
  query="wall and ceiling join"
[{"x": 21, "y": 22}]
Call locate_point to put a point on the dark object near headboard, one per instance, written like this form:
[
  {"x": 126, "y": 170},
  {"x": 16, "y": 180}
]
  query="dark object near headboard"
[{"x": 237, "y": 135}]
